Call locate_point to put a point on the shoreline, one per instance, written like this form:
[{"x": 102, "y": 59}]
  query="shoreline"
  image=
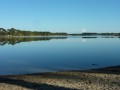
[{"x": 95, "y": 79}]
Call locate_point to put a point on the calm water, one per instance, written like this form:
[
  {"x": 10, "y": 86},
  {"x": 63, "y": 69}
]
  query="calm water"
[{"x": 44, "y": 54}]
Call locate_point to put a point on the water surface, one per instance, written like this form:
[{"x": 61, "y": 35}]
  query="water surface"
[{"x": 21, "y": 55}]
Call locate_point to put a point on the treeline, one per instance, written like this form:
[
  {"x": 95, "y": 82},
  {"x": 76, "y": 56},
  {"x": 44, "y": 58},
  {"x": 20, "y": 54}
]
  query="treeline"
[
  {"x": 105, "y": 34},
  {"x": 95, "y": 34},
  {"x": 15, "y": 32},
  {"x": 110, "y": 34}
]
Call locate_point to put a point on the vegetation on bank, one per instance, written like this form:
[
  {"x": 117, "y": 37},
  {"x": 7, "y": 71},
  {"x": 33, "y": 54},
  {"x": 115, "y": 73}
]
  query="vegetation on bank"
[
  {"x": 16, "y": 32},
  {"x": 94, "y": 34}
]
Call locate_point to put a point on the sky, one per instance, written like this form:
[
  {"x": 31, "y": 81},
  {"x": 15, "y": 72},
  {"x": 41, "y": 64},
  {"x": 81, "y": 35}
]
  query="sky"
[{"x": 71, "y": 16}]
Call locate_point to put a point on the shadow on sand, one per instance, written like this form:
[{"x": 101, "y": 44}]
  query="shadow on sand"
[{"x": 31, "y": 85}]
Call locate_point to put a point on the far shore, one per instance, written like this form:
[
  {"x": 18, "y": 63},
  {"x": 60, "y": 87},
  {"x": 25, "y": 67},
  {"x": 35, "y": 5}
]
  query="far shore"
[{"x": 95, "y": 79}]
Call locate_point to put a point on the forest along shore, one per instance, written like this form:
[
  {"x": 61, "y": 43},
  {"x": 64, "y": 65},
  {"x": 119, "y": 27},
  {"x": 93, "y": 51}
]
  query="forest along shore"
[{"x": 97, "y": 79}]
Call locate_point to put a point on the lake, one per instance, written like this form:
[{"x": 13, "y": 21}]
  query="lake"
[{"x": 22, "y": 55}]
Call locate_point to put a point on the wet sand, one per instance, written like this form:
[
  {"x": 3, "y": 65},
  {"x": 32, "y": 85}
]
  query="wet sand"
[{"x": 97, "y": 79}]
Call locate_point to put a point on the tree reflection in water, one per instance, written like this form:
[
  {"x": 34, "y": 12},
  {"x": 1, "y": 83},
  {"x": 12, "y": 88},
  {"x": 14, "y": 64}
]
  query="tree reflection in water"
[{"x": 15, "y": 40}]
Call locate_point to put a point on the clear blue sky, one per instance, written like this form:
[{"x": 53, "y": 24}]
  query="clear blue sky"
[{"x": 61, "y": 15}]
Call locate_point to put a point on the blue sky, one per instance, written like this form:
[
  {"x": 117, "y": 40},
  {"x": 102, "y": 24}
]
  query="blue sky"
[{"x": 72, "y": 16}]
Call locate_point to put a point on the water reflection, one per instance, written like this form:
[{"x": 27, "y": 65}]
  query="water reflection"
[
  {"x": 90, "y": 37},
  {"x": 84, "y": 40},
  {"x": 15, "y": 40},
  {"x": 44, "y": 54}
]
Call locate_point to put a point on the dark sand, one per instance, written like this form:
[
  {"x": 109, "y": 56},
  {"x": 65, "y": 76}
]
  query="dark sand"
[{"x": 97, "y": 79}]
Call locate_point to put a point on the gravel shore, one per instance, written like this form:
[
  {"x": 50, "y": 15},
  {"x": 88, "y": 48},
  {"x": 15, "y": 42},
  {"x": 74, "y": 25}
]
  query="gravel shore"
[{"x": 99, "y": 79}]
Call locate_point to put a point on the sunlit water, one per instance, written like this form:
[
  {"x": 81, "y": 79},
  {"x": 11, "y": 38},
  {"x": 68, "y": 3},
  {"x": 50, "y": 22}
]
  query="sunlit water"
[{"x": 44, "y": 54}]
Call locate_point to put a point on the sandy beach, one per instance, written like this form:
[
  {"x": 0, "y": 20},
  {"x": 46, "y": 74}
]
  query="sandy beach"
[{"x": 99, "y": 79}]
